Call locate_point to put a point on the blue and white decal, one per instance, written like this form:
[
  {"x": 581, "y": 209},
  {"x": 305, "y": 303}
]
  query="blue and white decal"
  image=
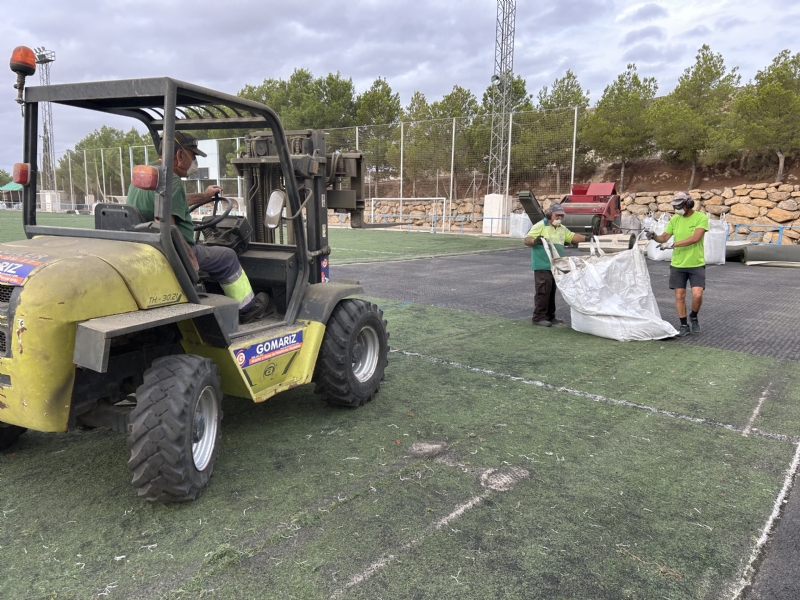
[
  {"x": 325, "y": 270},
  {"x": 15, "y": 268},
  {"x": 262, "y": 351}
]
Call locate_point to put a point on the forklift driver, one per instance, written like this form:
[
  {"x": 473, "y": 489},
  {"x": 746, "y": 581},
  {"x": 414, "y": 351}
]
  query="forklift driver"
[
  {"x": 219, "y": 262},
  {"x": 550, "y": 228}
]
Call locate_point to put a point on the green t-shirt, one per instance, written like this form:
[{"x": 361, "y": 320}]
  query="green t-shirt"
[
  {"x": 558, "y": 235},
  {"x": 145, "y": 201},
  {"x": 687, "y": 257}
]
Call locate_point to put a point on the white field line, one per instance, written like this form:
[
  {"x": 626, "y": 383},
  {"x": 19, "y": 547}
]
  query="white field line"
[
  {"x": 747, "y": 575},
  {"x": 369, "y": 251},
  {"x": 594, "y": 397},
  {"x": 757, "y": 410},
  {"x": 379, "y": 564}
]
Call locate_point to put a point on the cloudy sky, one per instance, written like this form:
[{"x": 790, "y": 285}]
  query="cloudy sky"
[{"x": 428, "y": 46}]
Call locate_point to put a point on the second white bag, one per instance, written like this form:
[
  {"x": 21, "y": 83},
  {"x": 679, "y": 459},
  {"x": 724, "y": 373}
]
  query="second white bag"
[
  {"x": 653, "y": 251},
  {"x": 714, "y": 241}
]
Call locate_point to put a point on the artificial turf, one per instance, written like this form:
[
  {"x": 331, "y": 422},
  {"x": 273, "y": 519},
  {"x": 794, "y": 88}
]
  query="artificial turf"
[
  {"x": 619, "y": 502},
  {"x": 348, "y": 245},
  {"x": 11, "y": 223}
]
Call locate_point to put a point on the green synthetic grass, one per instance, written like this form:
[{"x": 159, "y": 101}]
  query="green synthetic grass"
[
  {"x": 348, "y": 245},
  {"x": 11, "y": 223},
  {"x": 620, "y": 502},
  {"x": 700, "y": 382},
  {"x": 355, "y": 245}
]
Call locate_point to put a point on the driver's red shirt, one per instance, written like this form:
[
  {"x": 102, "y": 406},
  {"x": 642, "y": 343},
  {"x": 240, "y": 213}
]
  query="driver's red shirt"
[{"x": 145, "y": 201}]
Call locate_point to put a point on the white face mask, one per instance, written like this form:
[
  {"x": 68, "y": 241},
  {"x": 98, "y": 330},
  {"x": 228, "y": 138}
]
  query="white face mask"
[
  {"x": 681, "y": 211},
  {"x": 555, "y": 222},
  {"x": 194, "y": 168}
]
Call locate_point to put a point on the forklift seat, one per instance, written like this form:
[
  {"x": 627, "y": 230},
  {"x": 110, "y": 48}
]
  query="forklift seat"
[{"x": 116, "y": 217}]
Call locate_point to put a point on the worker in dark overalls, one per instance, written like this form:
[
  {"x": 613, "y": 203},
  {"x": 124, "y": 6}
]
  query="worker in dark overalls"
[{"x": 551, "y": 229}]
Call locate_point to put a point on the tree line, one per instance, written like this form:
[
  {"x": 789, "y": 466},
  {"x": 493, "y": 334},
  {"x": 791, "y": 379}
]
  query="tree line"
[{"x": 709, "y": 117}]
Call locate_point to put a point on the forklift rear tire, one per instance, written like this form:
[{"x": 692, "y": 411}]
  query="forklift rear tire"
[
  {"x": 175, "y": 429},
  {"x": 9, "y": 434},
  {"x": 353, "y": 355}
]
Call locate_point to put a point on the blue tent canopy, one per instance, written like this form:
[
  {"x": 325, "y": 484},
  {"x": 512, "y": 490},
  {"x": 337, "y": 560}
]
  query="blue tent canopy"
[{"x": 11, "y": 187}]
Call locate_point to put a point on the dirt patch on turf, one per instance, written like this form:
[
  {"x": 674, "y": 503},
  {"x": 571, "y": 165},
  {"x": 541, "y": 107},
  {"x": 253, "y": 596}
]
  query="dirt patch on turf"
[
  {"x": 427, "y": 449},
  {"x": 504, "y": 479}
]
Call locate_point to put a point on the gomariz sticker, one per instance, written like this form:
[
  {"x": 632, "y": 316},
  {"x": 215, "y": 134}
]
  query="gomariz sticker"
[
  {"x": 14, "y": 268},
  {"x": 257, "y": 353}
]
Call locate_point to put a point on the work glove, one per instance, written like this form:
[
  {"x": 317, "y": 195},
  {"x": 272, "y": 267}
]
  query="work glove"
[
  {"x": 537, "y": 241},
  {"x": 665, "y": 246},
  {"x": 650, "y": 235}
]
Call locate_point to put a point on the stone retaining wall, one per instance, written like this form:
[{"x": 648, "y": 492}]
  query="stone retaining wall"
[{"x": 746, "y": 204}]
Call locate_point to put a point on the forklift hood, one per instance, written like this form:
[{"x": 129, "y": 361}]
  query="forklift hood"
[
  {"x": 145, "y": 271},
  {"x": 47, "y": 286}
]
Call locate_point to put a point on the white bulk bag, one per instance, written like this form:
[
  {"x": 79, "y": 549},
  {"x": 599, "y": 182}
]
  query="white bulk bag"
[
  {"x": 610, "y": 295},
  {"x": 520, "y": 225},
  {"x": 653, "y": 251},
  {"x": 714, "y": 241}
]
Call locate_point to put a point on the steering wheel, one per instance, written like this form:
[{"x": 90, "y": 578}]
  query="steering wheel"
[{"x": 199, "y": 226}]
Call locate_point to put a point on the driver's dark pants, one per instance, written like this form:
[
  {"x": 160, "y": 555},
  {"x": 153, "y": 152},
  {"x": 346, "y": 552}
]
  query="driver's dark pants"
[{"x": 222, "y": 264}]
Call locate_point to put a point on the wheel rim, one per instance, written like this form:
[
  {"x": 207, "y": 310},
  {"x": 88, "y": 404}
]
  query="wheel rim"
[
  {"x": 204, "y": 428},
  {"x": 364, "y": 356}
]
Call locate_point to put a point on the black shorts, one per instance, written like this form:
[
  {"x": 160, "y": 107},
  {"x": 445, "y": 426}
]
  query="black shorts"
[{"x": 696, "y": 276}]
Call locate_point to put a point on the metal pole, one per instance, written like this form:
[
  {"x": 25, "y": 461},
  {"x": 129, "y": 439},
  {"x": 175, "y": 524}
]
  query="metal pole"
[
  {"x": 238, "y": 178},
  {"x": 356, "y": 137},
  {"x": 71, "y": 188},
  {"x": 146, "y": 160},
  {"x": 219, "y": 184},
  {"x": 130, "y": 152},
  {"x": 103, "y": 169},
  {"x": 86, "y": 179},
  {"x": 508, "y": 167},
  {"x": 574, "y": 140},
  {"x": 401, "y": 167},
  {"x": 452, "y": 170},
  {"x": 122, "y": 173}
]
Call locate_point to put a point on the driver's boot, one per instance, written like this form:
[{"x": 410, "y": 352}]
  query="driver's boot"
[{"x": 257, "y": 309}]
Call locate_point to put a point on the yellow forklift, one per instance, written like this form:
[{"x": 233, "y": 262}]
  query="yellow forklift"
[{"x": 114, "y": 327}]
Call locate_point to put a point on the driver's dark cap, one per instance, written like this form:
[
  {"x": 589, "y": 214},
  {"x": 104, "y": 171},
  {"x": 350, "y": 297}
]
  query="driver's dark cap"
[{"x": 188, "y": 142}]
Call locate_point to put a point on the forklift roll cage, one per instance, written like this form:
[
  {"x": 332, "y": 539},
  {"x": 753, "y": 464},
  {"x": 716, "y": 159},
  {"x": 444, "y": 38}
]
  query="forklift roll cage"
[{"x": 164, "y": 105}]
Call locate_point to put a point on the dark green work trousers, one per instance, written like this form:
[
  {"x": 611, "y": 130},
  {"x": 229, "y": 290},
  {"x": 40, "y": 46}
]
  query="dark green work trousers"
[{"x": 544, "y": 302}]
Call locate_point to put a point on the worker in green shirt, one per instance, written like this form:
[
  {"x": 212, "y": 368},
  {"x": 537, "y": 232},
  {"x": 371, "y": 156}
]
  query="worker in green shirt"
[
  {"x": 688, "y": 264},
  {"x": 551, "y": 229}
]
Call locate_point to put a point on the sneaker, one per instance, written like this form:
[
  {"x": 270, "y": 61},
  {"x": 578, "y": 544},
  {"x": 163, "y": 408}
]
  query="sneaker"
[
  {"x": 556, "y": 322},
  {"x": 257, "y": 310},
  {"x": 541, "y": 323},
  {"x": 695, "y": 325},
  {"x": 684, "y": 331}
]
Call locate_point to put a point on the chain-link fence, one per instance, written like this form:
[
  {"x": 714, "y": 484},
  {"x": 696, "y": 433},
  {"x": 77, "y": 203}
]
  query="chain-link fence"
[
  {"x": 449, "y": 157},
  {"x": 441, "y": 158}
]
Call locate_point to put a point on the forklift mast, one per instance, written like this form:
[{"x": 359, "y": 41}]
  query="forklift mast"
[{"x": 334, "y": 180}]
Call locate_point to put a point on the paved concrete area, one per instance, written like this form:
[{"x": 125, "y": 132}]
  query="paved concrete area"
[{"x": 745, "y": 309}]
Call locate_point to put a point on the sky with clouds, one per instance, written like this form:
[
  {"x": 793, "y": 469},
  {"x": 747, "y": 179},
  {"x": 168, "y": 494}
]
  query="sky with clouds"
[{"x": 426, "y": 46}]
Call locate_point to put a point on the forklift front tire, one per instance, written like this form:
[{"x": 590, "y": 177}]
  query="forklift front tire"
[
  {"x": 353, "y": 355},
  {"x": 9, "y": 434},
  {"x": 175, "y": 429}
]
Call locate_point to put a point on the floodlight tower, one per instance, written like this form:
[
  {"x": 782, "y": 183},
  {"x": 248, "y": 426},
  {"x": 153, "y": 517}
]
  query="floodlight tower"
[
  {"x": 501, "y": 95},
  {"x": 44, "y": 58}
]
